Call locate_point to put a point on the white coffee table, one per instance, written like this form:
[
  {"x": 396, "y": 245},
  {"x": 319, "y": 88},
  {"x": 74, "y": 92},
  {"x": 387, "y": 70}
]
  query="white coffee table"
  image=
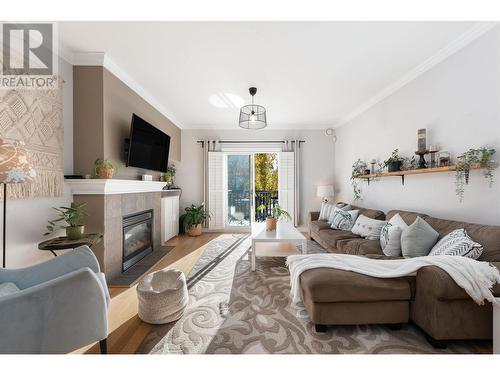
[{"x": 279, "y": 243}]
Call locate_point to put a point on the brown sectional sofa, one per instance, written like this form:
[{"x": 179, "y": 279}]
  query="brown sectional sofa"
[{"x": 431, "y": 299}]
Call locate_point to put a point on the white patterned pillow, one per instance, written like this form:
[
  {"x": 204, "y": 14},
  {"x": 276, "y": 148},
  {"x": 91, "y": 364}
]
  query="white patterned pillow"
[
  {"x": 458, "y": 243},
  {"x": 368, "y": 228},
  {"x": 345, "y": 207},
  {"x": 343, "y": 220},
  {"x": 390, "y": 236},
  {"x": 325, "y": 210}
]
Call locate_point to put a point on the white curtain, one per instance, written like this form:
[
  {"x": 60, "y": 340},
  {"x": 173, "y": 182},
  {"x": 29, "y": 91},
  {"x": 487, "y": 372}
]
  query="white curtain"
[{"x": 289, "y": 179}]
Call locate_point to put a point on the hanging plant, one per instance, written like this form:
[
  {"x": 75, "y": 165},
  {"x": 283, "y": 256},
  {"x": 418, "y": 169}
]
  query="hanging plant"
[
  {"x": 358, "y": 169},
  {"x": 481, "y": 156}
]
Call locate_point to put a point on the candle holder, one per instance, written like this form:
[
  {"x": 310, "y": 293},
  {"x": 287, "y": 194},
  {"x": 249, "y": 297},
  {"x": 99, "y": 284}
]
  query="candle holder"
[
  {"x": 422, "y": 163},
  {"x": 433, "y": 159}
]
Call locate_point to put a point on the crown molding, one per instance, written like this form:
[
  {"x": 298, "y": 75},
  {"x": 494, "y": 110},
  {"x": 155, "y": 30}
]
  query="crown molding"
[
  {"x": 89, "y": 58},
  {"x": 102, "y": 59},
  {"x": 465, "y": 39}
]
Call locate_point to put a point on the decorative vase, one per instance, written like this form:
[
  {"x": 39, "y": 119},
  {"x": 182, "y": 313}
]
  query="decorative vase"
[
  {"x": 270, "y": 223},
  {"x": 394, "y": 166},
  {"x": 105, "y": 172},
  {"x": 75, "y": 233},
  {"x": 194, "y": 230}
]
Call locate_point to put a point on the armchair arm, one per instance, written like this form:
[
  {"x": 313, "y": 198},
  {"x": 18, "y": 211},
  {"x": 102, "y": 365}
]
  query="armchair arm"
[
  {"x": 27, "y": 277},
  {"x": 313, "y": 216},
  {"x": 57, "y": 316}
]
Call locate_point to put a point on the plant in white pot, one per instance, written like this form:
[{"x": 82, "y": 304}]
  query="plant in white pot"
[
  {"x": 193, "y": 217},
  {"x": 277, "y": 214},
  {"x": 72, "y": 216}
]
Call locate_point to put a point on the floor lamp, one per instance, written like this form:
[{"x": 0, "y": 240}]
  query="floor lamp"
[{"x": 15, "y": 167}]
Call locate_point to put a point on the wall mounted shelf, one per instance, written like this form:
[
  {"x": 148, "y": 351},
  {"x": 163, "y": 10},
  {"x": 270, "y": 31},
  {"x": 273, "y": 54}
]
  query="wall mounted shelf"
[{"x": 402, "y": 174}]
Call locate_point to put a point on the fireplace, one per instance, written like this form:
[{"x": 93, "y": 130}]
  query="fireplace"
[{"x": 137, "y": 237}]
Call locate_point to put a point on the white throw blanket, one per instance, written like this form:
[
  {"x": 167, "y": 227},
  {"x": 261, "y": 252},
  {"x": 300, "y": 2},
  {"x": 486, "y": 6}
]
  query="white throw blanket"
[{"x": 476, "y": 278}]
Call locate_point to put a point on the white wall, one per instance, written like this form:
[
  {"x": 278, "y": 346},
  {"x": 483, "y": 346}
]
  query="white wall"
[
  {"x": 458, "y": 101},
  {"x": 316, "y": 162},
  {"x": 27, "y": 218}
]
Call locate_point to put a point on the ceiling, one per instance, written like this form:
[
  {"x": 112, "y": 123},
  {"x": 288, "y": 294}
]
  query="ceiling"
[{"x": 309, "y": 75}]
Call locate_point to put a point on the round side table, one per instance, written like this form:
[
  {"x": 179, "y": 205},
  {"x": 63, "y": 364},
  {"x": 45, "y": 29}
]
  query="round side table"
[{"x": 61, "y": 243}]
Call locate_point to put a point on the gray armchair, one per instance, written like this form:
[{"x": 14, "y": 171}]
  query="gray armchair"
[{"x": 54, "y": 307}]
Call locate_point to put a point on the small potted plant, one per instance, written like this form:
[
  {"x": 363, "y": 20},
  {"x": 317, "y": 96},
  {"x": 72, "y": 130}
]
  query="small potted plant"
[
  {"x": 104, "y": 168},
  {"x": 278, "y": 214},
  {"x": 170, "y": 175},
  {"x": 73, "y": 216},
  {"x": 193, "y": 217},
  {"x": 394, "y": 162}
]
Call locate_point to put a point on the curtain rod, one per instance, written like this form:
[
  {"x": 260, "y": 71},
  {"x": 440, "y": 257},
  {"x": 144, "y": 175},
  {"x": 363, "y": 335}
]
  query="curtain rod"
[{"x": 253, "y": 141}]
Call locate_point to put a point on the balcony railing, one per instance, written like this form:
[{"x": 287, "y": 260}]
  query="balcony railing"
[
  {"x": 268, "y": 199},
  {"x": 239, "y": 205}
]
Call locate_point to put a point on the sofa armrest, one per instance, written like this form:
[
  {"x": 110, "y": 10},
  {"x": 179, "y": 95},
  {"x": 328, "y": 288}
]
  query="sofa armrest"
[
  {"x": 434, "y": 281},
  {"x": 27, "y": 277},
  {"x": 57, "y": 316},
  {"x": 313, "y": 216}
]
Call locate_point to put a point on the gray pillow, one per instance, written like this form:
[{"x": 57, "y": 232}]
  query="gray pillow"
[{"x": 418, "y": 239}]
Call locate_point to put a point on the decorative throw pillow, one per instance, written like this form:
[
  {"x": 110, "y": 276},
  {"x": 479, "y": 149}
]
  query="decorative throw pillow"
[
  {"x": 458, "y": 243},
  {"x": 346, "y": 207},
  {"x": 418, "y": 239},
  {"x": 343, "y": 220},
  {"x": 367, "y": 227},
  {"x": 390, "y": 236},
  {"x": 325, "y": 210}
]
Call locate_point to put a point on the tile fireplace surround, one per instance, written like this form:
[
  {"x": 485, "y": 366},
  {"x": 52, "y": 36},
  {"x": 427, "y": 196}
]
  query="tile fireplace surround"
[{"x": 108, "y": 201}]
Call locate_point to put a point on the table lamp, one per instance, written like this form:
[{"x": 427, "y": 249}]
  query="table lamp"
[
  {"x": 325, "y": 191},
  {"x": 15, "y": 167}
]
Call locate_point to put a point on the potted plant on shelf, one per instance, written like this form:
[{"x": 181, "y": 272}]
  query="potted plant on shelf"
[
  {"x": 394, "y": 162},
  {"x": 193, "y": 217},
  {"x": 104, "y": 168},
  {"x": 73, "y": 216},
  {"x": 278, "y": 214},
  {"x": 481, "y": 156}
]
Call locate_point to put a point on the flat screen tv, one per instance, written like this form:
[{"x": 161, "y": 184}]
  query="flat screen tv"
[{"x": 148, "y": 147}]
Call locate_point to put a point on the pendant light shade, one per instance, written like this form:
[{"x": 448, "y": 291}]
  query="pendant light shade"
[{"x": 253, "y": 116}]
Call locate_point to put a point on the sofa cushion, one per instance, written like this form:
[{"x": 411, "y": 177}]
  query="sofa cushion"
[
  {"x": 359, "y": 246},
  {"x": 368, "y": 212},
  {"x": 418, "y": 239},
  {"x": 367, "y": 227},
  {"x": 457, "y": 243},
  {"x": 331, "y": 236},
  {"x": 408, "y": 216},
  {"x": 318, "y": 225},
  {"x": 332, "y": 285},
  {"x": 343, "y": 220},
  {"x": 7, "y": 289},
  {"x": 486, "y": 235}
]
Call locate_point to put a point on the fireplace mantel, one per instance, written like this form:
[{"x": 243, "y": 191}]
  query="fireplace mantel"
[{"x": 112, "y": 186}]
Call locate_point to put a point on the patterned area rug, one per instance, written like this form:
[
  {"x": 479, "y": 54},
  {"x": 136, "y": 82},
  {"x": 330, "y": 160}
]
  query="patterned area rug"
[{"x": 234, "y": 310}]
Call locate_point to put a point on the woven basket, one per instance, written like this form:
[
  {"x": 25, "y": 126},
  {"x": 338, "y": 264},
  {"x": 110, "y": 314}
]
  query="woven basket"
[{"x": 163, "y": 296}]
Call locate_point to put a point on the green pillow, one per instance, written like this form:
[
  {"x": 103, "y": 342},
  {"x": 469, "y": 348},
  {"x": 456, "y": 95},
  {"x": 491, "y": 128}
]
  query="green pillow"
[{"x": 418, "y": 239}]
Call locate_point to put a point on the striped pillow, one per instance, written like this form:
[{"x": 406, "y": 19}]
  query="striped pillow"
[{"x": 458, "y": 243}]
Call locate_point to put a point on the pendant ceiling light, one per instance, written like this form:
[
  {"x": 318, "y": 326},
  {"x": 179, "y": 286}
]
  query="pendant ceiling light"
[{"x": 253, "y": 116}]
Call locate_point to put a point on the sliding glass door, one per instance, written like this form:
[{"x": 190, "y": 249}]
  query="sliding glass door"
[
  {"x": 251, "y": 185},
  {"x": 239, "y": 179}
]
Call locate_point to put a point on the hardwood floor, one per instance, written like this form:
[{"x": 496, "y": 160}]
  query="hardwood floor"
[{"x": 127, "y": 331}]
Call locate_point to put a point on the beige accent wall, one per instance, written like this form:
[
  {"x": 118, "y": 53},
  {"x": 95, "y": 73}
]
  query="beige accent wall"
[
  {"x": 103, "y": 108},
  {"x": 120, "y": 102},
  {"x": 88, "y": 132}
]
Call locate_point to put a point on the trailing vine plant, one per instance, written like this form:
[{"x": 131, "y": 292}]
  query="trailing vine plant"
[
  {"x": 481, "y": 156},
  {"x": 358, "y": 169}
]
